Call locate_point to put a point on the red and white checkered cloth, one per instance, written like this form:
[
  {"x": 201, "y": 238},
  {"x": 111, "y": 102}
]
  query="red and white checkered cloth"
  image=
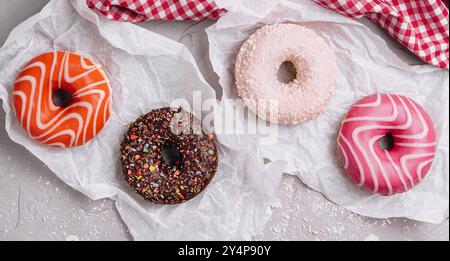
[
  {"x": 143, "y": 10},
  {"x": 420, "y": 25}
]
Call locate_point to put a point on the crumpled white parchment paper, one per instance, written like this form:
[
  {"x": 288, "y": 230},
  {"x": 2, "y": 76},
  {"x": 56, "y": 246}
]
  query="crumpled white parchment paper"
[
  {"x": 366, "y": 65},
  {"x": 146, "y": 71}
]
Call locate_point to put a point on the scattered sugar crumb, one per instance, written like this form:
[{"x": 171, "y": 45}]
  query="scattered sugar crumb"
[{"x": 372, "y": 237}]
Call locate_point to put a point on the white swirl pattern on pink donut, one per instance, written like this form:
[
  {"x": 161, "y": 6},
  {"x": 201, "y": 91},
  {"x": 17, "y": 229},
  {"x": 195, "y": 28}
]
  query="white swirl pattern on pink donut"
[{"x": 387, "y": 172}]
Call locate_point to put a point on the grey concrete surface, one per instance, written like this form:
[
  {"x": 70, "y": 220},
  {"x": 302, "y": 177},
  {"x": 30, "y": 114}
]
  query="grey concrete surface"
[{"x": 36, "y": 205}]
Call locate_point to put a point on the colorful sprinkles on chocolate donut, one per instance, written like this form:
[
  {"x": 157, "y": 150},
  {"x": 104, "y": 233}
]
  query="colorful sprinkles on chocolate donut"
[{"x": 167, "y": 158}]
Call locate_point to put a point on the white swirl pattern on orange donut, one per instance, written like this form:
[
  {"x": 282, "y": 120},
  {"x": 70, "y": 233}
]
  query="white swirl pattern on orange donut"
[
  {"x": 50, "y": 124},
  {"x": 414, "y": 143}
]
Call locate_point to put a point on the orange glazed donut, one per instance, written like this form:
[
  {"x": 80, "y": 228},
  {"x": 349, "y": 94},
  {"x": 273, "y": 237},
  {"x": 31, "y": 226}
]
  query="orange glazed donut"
[{"x": 62, "y": 99}]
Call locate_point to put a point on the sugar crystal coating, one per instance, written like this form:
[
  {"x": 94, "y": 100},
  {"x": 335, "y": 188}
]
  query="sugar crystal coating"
[{"x": 259, "y": 60}]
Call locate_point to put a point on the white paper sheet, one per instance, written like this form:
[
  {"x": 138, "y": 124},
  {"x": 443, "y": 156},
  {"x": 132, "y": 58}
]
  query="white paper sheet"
[
  {"x": 366, "y": 65},
  {"x": 146, "y": 71}
]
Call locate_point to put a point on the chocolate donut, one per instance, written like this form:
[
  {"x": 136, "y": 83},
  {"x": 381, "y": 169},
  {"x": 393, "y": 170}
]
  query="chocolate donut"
[{"x": 166, "y": 157}]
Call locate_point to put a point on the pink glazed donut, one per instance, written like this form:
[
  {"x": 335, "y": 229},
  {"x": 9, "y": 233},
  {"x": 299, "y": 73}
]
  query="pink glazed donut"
[
  {"x": 387, "y": 171},
  {"x": 258, "y": 63}
]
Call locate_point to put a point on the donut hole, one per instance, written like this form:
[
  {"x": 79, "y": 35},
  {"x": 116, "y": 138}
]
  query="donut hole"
[
  {"x": 62, "y": 98},
  {"x": 386, "y": 142},
  {"x": 171, "y": 155},
  {"x": 287, "y": 72}
]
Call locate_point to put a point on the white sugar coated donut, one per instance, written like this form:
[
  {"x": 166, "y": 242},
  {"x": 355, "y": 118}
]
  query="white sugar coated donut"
[{"x": 258, "y": 63}]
